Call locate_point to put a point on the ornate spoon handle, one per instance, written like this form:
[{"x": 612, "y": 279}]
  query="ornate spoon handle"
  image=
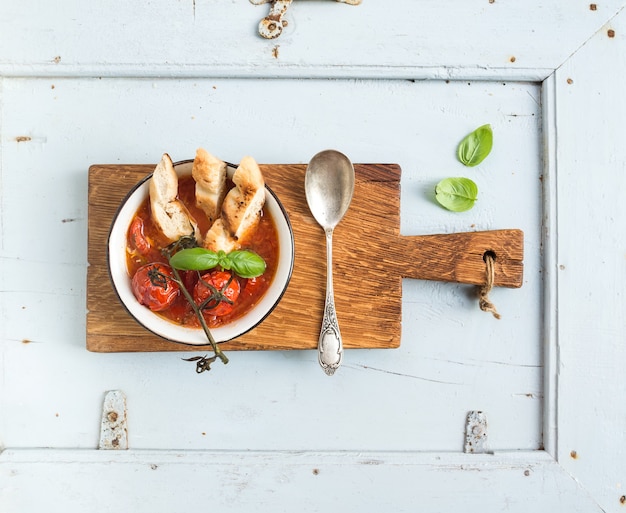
[{"x": 330, "y": 346}]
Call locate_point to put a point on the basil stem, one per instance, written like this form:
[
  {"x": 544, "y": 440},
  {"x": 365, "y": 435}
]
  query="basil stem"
[{"x": 216, "y": 349}]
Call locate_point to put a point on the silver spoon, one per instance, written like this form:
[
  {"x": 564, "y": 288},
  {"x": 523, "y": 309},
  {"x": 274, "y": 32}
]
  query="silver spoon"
[{"x": 329, "y": 186}]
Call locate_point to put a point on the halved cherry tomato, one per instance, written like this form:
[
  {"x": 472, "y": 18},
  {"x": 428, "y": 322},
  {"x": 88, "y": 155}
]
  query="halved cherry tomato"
[
  {"x": 218, "y": 291},
  {"x": 153, "y": 286}
]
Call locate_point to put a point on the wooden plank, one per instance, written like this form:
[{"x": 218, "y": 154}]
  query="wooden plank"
[
  {"x": 590, "y": 335},
  {"x": 309, "y": 481},
  {"x": 413, "y": 45},
  {"x": 368, "y": 247}
]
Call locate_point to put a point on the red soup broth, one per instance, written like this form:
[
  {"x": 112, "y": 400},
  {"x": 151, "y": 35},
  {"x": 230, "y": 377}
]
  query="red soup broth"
[{"x": 264, "y": 242}]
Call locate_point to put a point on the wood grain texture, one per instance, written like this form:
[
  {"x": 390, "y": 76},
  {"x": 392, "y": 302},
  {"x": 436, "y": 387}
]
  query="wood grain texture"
[{"x": 370, "y": 260}]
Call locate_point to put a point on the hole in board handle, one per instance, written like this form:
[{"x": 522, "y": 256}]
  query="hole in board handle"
[{"x": 489, "y": 253}]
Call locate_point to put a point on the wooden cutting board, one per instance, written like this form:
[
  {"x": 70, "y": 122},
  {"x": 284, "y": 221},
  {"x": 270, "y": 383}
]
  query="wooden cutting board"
[{"x": 370, "y": 260}]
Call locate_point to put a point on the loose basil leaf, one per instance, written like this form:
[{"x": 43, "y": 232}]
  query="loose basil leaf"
[
  {"x": 456, "y": 194},
  {"x": 475, "y": 147},
  {"x": 247, "y": 264},
  {"x": 194, "y": 259}
]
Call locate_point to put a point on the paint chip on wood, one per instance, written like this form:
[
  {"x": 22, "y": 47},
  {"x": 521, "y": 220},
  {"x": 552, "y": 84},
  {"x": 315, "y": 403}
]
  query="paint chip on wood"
[
  {"x": 476, "y": 433},
  {"x": 113, "y": 429}
]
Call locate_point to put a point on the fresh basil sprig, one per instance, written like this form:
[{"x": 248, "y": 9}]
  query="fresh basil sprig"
[
  {"x": 456, "y": 194},
  {"x": 244, "y": 263},
  {"x": 475, "y": 147}
]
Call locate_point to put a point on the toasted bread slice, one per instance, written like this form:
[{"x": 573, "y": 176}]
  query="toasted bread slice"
[
  {"x": 209, "y": 173},
  {"x": 218, "y": 238},
  {"x": 243, "y": 203},
  {"x": 241, "y": 209},
  {"x": 169, "y": 214}
]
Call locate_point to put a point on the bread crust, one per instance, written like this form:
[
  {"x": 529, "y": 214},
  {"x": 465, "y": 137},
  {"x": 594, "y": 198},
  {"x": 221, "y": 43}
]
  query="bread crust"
[{"x": 168, "y": 213}]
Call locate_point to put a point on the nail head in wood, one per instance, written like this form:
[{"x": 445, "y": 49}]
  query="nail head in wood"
[
  {"x": 113, "y": 429},
  {"x": 476, "y": 433}
]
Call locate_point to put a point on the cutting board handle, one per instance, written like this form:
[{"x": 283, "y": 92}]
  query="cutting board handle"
[{"x": 460, "y": 257}]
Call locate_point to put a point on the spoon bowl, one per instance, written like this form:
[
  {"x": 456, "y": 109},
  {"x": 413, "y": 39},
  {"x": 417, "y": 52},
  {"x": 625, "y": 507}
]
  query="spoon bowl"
[{"x": 329, "y": 187}]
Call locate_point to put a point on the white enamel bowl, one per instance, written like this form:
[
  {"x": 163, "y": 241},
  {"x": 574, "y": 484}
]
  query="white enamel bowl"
[{"x": 116, "y": 258}]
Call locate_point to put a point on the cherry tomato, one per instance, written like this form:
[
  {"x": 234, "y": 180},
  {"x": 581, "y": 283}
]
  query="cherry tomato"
[
  {"x": 153, "y": 286},
  {"x": 136, "y": 237},
  {"x": 189, "y": 279},
  {"x": 252, "y": 285},
  {"x": 142, "y": 250},
  {"x": 222, "y": 287}
]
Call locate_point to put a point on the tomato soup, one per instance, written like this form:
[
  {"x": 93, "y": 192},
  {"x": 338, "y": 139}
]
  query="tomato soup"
[{"x": 145, "y": 241}]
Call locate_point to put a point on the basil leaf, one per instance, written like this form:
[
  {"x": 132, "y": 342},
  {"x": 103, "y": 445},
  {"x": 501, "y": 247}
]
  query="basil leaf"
[
  {"x": 223, "y": 260},
  {"x": 475, "y": 147},
  {"x": 194, "y": 259},
  {"x": 456, "y": 194},
  {"x": 247, "y": 264}
]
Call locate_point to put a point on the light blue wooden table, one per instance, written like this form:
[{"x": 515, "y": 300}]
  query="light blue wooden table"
[{"x": 122, "y": 82}]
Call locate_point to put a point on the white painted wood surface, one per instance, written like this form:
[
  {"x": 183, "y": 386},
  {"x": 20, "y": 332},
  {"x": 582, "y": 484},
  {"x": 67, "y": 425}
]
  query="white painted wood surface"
[
  {"x": 464, "y": 39},
  {"x": 288, "y": 481},
  {"x": 388, "y": 430}
]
